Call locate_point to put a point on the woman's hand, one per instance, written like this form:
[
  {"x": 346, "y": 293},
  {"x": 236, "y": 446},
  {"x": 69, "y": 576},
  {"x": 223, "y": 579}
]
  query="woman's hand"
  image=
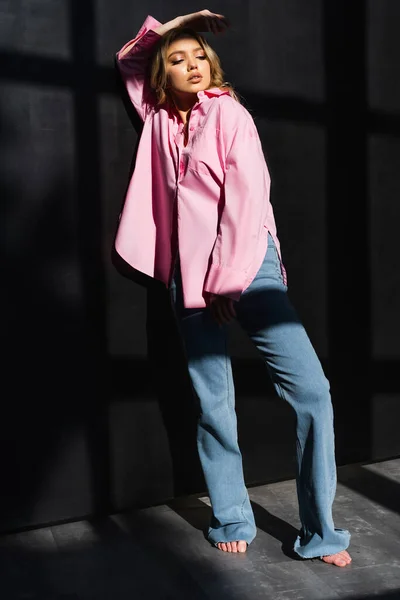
[
  {"x": 204, "y": 20},
  {"x": 222, "y": 308}
]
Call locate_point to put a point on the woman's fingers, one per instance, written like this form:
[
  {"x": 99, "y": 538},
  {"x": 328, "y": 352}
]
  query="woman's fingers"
[
  {"x": 205, "y": 20},
  {"x": 231, "y": 308},
  {"x": 216, "y": 312},
  {"x": 226, "y": 310},
  {"x": 218, "y": 23},
  {"x": 222, "y": 309},
  {"x": 213, "y": 25},
  {"x": 215, "y": 309},
  {"x": 222, "y": 22}
]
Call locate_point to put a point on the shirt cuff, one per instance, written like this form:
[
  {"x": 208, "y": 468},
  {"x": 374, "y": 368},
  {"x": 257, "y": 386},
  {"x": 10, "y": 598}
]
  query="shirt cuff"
[
  {"x": 146, "y": 36},
  {"x": 225, "y": 281}
]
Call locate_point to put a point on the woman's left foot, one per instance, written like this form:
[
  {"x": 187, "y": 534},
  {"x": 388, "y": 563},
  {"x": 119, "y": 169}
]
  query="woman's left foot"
[
  {"x": 239, "y": 546},
  {"x": 341, "y": 559}
]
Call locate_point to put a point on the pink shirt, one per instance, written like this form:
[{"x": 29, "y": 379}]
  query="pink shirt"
[{"x": 217, "y": 187}]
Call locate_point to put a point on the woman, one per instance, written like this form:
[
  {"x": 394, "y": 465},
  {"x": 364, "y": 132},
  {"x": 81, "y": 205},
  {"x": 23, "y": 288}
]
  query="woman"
[{"x": 197, "y": 216}]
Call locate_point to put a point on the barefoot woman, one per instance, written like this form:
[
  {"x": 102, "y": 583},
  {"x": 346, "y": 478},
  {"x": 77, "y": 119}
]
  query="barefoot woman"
[{"x": 198, "y": 217}]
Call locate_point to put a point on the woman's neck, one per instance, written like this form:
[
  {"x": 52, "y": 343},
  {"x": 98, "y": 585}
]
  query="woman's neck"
[
  {"x": 184, "y": 105},
  {"x": 184, "y": 115}
]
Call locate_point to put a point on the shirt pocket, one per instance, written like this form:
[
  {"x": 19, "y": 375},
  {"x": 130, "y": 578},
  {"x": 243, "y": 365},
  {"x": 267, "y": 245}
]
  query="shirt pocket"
[{"x": 204, "y": 157}]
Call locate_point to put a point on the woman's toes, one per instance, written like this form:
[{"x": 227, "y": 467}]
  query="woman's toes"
[
  {"x": 239, "y": 546},
  {"x": 343, "y": 556},
  {"x": 222, "y": 546},
  {"x": 340, "y": 559},
  {"x": 346, "y": 556}
]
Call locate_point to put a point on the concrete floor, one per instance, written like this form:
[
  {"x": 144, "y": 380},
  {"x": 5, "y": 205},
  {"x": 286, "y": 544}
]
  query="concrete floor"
[{"x": 160, "y": 553}]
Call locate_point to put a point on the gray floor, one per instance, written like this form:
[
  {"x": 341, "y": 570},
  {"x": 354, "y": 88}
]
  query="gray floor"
[{"x": 160, "y": 553}]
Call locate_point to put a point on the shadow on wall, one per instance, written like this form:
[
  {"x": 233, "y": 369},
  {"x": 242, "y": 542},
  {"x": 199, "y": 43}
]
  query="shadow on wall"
[
  {"x": 167, "y": 368},
  {"x": 51, "y": 407},
  {"x": 168, "y": 378}
]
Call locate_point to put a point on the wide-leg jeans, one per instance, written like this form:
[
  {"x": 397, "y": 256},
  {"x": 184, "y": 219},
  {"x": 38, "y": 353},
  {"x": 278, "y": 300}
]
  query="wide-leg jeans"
[{"x": 268, "y": 317}]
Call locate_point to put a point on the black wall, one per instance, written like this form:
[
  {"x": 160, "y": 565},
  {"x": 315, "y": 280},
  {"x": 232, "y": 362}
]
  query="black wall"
[{"x": 98, "y": 414}]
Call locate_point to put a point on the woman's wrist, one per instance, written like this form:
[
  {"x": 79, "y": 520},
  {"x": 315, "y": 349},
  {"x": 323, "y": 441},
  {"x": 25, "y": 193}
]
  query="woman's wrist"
[{"x": 177, "y": 22}]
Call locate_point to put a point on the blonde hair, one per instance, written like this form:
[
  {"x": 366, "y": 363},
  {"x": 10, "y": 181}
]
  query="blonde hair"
[{"x": 158, "y": 73}]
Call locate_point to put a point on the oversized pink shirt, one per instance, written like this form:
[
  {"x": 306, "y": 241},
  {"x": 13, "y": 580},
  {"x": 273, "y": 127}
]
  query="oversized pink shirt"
[{"x": 216, "y": 187}]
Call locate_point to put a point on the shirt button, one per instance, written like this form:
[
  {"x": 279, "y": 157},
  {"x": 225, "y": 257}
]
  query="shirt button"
[{"x": 191, "y": 128}]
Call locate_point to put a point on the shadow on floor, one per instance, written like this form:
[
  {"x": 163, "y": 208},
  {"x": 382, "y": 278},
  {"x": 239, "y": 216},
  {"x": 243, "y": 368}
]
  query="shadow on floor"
[
  {"x": 395, "y": 595},
  {"x": 198, "y": 515},
  {"x": 374, "y": 486}
]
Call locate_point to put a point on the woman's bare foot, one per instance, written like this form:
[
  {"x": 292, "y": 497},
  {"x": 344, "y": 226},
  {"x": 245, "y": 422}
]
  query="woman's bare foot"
[
  {"x": 239, "y": 546},
  {"x": 341, "y": 559}
]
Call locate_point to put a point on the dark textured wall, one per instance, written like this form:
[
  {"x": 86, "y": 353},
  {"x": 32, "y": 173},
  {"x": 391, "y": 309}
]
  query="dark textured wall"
[{"x": 90, "y": 425}]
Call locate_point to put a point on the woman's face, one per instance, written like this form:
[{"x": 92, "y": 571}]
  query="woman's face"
[{"x": 187, "y": 67}]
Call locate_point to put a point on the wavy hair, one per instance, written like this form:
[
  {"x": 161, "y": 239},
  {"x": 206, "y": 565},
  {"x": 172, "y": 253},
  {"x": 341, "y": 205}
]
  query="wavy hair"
[{"x": 158, "y": 73}]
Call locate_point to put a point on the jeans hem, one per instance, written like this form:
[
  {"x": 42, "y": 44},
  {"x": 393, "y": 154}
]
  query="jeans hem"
[{"x": 322, "y": 549}]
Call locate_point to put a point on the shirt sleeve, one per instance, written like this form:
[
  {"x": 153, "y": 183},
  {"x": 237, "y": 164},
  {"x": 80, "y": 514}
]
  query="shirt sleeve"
[
  {"x": 246, "y": 192},
  {"x": 133, "y": 65}
]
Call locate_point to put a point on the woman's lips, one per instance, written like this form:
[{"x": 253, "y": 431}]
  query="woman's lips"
[{"x": 196, "y": 79}]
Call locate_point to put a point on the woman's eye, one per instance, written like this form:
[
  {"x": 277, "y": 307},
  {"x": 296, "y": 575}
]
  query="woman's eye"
[{"x": 176, "y": 62}]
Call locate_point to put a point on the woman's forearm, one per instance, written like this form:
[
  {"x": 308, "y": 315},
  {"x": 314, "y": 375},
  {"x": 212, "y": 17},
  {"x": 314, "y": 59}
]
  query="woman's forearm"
[
  {"x": 203, "y": 20},
  {"x": 160, "y": 30},
  {"x": 167, "y": 26}
]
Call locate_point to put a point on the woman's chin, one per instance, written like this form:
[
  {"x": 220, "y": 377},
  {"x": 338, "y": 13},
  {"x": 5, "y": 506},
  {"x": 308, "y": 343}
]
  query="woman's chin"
[{"x": 198, "y": 87}]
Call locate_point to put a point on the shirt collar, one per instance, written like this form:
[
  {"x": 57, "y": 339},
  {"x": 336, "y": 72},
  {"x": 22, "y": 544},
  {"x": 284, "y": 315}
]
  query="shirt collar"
[
  {"x": 211, "y": 92},
  {"x": 202, "y": 95}
]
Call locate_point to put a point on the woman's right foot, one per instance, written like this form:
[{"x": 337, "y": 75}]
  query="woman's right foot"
[
  {"x": 341, "y": 559},
  {"x": 239, "y": 546}
]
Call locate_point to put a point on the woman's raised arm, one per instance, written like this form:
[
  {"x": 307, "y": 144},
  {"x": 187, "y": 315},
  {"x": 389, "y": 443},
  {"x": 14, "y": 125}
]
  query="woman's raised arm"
[
  {"x": 134, "y": 56},
  {"x": 132, "y": 62}
]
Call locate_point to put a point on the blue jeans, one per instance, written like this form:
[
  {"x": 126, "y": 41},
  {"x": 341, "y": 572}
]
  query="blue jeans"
[{"x": 266, "y": 314}]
